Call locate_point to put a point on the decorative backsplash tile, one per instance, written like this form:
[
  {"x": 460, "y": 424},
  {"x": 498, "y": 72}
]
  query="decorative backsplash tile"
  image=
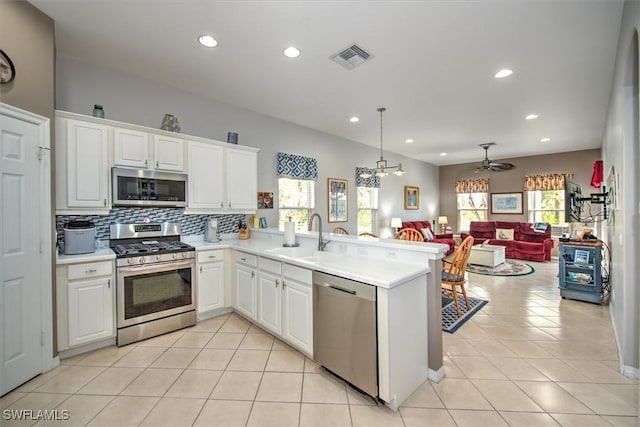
[{"x": 191, "y": 224}]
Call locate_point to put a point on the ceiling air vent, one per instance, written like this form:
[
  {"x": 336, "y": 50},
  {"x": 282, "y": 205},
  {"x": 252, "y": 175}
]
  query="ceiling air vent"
[{"x": 351, "y": 57}]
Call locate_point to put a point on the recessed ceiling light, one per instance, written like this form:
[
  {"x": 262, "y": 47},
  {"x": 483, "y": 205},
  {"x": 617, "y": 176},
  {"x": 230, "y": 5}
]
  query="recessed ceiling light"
[
  {"x": 443, "y": 154},
  {"x": 545, "y": 140},
  {"x": 291, "y": 52},
  {"x": 531, "y": 117},
  {"x": 505, "y": 72},
  {"x": 409, "y": 141},
  {"x": 207, "y": 41},
  {"x": 354, "y": 119}
]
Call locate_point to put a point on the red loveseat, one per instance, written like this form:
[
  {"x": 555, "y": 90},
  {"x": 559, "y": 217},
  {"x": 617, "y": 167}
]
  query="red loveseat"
[
  {"x": 446, "y": 239},
  {"x": 526, "y": 244}
]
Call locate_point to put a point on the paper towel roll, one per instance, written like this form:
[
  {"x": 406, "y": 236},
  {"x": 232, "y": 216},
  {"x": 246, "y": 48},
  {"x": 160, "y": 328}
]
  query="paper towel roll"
[{"x": 289, "y": 233}]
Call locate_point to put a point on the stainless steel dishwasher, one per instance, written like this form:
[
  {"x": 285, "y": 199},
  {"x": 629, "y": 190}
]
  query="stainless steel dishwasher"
[{"x": 344, "y": 330}]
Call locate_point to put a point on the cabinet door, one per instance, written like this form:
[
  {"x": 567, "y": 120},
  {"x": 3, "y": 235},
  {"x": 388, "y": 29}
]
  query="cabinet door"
[
  {"x": 90, "y": 308},
  {"x": 269, "y": 306},
  {"x": 242, "y": 181},
  {"x": 168, "y": 153},
  {"x": 131, "y": 148},
  {"x": 210, "y": 286},
  {"x": 87, "y": 165},
  {"x": 297, "y": 311},
  {"x": 246, "y": 291},
  {"x": 205, "y": 176}
]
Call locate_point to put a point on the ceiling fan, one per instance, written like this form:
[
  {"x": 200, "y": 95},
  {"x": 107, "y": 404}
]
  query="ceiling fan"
[{"x": 489, "y": 166}]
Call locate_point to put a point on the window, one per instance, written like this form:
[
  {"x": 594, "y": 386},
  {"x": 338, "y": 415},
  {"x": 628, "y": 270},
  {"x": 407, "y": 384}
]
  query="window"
[
  {"x": 471, "y": 207},
  {"x": 367, "y": 210},
  {"x": 546, "y": 206},
  {"x": 296, "y": 200}
]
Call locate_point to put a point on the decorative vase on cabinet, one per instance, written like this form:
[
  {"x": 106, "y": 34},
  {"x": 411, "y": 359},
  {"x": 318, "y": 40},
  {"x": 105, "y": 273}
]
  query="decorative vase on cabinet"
[{"x": 170, "y": 123}]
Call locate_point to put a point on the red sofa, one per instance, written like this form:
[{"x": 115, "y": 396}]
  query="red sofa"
[
  {"x": 526, "y": 244},
  {"x": 446, "y": 239}
]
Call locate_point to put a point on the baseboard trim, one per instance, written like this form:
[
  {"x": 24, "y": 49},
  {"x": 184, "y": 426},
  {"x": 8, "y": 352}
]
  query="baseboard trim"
[
  {"x": 631, "y": 372},
  {"x": 86, "y": 348},
  {"x": 437, "y": 375}
]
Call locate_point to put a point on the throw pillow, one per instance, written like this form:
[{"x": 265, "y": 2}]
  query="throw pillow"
[
  {"x": 504, "y": 233},
  {"x": 427, "y": 233}
]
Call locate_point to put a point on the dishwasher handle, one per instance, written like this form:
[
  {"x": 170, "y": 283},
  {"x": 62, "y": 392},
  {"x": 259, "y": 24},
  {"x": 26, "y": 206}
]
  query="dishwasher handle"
[{"x": 338, "y": 288}]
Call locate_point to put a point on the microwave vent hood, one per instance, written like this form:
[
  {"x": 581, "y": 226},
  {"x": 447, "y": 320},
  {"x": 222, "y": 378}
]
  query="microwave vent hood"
[{"x": 143, "y": 188}]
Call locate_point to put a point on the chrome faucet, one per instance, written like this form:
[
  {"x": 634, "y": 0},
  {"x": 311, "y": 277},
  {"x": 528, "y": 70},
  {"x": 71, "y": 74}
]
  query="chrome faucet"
[{"x": 321, "y": 243}]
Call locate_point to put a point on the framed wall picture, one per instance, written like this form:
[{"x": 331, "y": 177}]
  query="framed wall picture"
[
  {"x": 411, "y": 197},
  {"x": 506, "y": 203},
  {"x": 337, "y": 201}
]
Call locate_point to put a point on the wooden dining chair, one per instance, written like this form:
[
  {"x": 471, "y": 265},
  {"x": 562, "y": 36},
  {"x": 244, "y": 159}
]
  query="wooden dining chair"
[
  {"x": 410, "y": 234},
  {"x": 367, "y": 234},
  {"x": 453, "y": 273},
  {"x": 340, "y": 230}
]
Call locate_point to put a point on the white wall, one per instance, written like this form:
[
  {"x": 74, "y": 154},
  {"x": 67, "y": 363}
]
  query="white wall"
[
  {"x": 620, "y": 151},
  {"x": 127, "y": 98}
]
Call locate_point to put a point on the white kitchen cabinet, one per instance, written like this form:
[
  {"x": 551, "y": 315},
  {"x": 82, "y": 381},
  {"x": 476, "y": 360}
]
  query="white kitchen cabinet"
[
  {"x": 246, "y": 285},
  {"x": 130, "y": 148},
  {"x": 269, "y": 295},
  {"x": 82, "y": 166},
  {"x": 168, "y": 153},
  {"x": 242, "y": 179},
  {"x": 86, "y": 303},
  {"x": 206, "y": 176},
  {"x": 297, "y": 307},
  {"x": 210, "y": 282}
]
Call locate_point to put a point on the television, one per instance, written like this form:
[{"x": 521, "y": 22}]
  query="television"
[{"x": 573, "y": 201}]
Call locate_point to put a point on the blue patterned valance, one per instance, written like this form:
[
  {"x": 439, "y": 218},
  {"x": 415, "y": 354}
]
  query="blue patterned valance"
[
  {"x": 299, "y": 167},
  {"x": 373, "y": 181}
]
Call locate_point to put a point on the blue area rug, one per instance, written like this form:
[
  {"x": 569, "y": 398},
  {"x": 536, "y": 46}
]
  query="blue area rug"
[{"x": 450, "y": 320}]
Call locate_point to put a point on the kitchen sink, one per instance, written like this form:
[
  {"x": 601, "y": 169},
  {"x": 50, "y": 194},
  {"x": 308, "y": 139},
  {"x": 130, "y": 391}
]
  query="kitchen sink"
[{"x": 293, "y": 252}]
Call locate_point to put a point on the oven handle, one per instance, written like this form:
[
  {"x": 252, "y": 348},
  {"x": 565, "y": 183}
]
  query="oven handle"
[{"x": 146, "y": 268}]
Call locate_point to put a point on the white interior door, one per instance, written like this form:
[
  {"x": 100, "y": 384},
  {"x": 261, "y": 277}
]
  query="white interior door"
[{"x": 21, "y": 344}]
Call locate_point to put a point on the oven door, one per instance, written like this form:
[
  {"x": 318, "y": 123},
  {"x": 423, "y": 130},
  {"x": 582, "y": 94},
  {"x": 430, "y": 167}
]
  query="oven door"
[{"x": 150, "y": 292}]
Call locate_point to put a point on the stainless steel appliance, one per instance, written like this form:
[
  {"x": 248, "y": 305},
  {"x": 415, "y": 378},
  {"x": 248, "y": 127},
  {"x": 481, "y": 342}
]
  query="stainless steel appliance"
[
  {"x": 79, "y": 237},
  {"x": 344, "y": 330},
  {"x": 155, "y": 283},
  {"x": 211, "y": 232},
  {"x": 141, "y": 187}
]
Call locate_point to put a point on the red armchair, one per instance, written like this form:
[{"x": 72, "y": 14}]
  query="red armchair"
[{"x": 446, "y": 239}]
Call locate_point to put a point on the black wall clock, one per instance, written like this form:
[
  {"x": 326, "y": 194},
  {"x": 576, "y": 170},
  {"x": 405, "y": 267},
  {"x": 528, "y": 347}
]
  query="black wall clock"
[{"x": 7, "y": 70}]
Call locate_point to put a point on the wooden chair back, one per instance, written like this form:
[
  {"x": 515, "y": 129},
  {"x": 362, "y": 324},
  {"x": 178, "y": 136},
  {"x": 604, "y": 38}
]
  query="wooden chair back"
[
  {"x": 367, "y": 234},
  {"x": 340, "y": 230},
  {"x": 458, "y": 264},
  {"x": 410, "y": 234}
]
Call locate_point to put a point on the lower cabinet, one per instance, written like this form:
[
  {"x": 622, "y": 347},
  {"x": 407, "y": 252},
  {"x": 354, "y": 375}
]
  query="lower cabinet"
[
  {"x": 86, "y": 303},
  {"x": 285, "y": 302},
  {"x": 246, "y": 280},
  {"x": 210, "y": 294}
]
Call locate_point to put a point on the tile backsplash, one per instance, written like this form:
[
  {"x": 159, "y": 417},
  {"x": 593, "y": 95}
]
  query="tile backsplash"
[{"x": 191, "y": 224}]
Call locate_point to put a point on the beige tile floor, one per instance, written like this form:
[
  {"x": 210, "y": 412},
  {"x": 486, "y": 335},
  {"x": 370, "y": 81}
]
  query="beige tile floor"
[{"x": 528, "y": 358}]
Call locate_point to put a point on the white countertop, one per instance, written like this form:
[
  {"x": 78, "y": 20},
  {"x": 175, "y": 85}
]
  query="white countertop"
[
  {"x": 384, "y": 273},
  {"x": 377, "y": 271}
]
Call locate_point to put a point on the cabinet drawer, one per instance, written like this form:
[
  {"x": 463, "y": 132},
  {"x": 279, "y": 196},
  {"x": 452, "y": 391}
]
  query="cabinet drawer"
[
  {"x": 247, "y": 259},
  {"x": 298, "y": 274},
  {"x": 270, "y": 266},
  {"x": 210, "y": 256},
  {"x": 94, "y": 269}
]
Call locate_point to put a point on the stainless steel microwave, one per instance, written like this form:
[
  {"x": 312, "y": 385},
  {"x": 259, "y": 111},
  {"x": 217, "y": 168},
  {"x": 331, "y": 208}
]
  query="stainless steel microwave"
[{"x": 141, "y": 187}]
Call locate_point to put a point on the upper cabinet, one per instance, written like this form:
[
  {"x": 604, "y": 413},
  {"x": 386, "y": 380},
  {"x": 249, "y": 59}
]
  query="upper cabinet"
[
  {"x": 132, "y": 148},
  {"x": 222, "y": 178},
  {"x": 82, "y": 167}
]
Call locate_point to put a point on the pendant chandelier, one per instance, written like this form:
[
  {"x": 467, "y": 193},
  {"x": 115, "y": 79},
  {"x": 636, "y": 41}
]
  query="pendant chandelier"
[{"x": 382, "y": 169}]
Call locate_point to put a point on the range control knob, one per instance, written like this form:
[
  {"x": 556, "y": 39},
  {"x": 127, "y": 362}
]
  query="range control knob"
[
  {"x": 130, "y": 260},
  {"x": 174, "y": 256},
  {"x": 183, "y": 255},
  {"x": 158, "y": 257},
  {"x": 141, "y": 260}
]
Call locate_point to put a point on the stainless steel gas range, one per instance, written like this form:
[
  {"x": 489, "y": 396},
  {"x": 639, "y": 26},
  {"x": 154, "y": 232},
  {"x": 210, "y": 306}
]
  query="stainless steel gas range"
[{"x": 155, "y": 285}]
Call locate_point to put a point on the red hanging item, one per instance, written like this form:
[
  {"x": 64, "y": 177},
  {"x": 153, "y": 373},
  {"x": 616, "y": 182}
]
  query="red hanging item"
[{"x": 598, "y": 174}]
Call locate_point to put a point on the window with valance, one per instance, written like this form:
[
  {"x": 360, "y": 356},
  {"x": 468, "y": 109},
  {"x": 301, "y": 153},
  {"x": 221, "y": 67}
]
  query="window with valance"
[
  {"x": 546, "y": 182},
  {"x": 296, "y": 188},
  {"x": 545, "y": 197},
  {"x": 298, "y": 167},
  {"x": 471, "y": 199},
  {"x": 472, "y": 186},
  {"x": 367, "y": 201}
]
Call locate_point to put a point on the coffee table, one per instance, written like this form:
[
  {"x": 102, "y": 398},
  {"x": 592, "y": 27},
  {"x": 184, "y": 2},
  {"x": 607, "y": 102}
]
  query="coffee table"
[{"x": 487, "y": 255}]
